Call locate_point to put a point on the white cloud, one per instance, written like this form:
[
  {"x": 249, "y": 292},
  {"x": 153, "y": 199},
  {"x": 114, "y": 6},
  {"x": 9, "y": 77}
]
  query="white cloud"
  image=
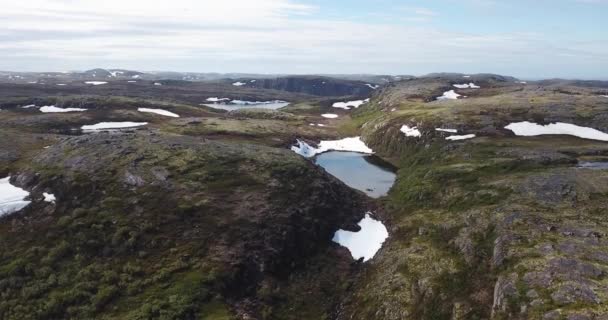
[{"x": 267, "y": 36}]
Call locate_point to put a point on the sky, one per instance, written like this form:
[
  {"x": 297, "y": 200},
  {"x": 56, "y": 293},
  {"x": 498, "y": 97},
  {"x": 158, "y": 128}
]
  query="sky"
[{"x": 523, "y": 38}]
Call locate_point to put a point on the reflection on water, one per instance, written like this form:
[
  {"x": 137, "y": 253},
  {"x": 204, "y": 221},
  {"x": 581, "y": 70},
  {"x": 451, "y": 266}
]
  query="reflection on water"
[{"x": 363, "y": 172}]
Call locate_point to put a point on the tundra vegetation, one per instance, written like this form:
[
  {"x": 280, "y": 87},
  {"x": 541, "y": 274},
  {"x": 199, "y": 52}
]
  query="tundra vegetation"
[{"x": 212, "y": 216}]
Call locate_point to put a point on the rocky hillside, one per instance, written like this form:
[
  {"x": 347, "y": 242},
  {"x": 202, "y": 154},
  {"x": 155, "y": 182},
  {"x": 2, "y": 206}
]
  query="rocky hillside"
[
  {"x": 496, "y": 226},
  {"x": 161, "y": 226},
  {"x": 207, "y": 214},
  {"x": 317, "y": 86}
]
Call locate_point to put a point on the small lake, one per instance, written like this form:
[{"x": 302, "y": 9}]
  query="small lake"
[
  {"x": 593, "y": 165},
  {"x": 363, "y": 172},
  {"x": 232, "y": 107}
]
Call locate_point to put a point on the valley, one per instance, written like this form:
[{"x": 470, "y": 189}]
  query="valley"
[{"x": 132, "y": 195}]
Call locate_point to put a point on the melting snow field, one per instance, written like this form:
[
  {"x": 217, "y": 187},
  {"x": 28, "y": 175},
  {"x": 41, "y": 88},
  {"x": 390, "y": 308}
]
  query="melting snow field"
[
  {"x": 112, "y": 125},
  {"x": 605, "y": 96},
  {"x": 159, "y": 111},
  {"x": 373, "y": 87},
  {"x": 239, "y": 84},
  {"x": 467, "y": 86},
  {"x": 96, "y": 83},
  {"x": 350, "y": 104},
  {"x": 464, "y": 137},
  {"x": 529, "y": 129},
  {"x": 449, "y": 95},
  {"x": 411, "y": 132},
  {"x": 347, "y": 144},
  {"x": 11, "y": 197},
  {"x": 53, "y": 109},
  {"x": 446, "y": 130},
  {"x": 365, "y": 243},
  {"x": 158, "y": 84},
  {"x": 329, "y": 115}
]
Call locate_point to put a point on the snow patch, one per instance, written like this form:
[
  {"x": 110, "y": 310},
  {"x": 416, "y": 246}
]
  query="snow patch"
[
  {"x": 96, "y": 83},
  {"x": 411, "y": 132},
  {"x": 29, "y": 106},
  {"x": 12, "y": 199},
  {"x": 446, "y": 130},
  {"x": 347, "y": 144},
  {"x": 348, "y": 104},
  {"x": 53, "y": 109},
  {"x": 48, "y": 197},
  {"x": 449, "y": 95},
  {"x": 467, "y": 86},
  {"x": 329, "y": 115},
  {"x": 366, "y": 242},
  {"x": 62, "y": 84},
  {"x": 159, "y": 111},
  {"x": 239, "y": 84},
  {"x": 112, "y": 125},
  {"x": 216, "y": 99},
  {"x": 373, "y": 87},
  {"x": 158, "y": 84},
  {"x": 528, "y": 129},
  {"x": 463, "y": 137}
]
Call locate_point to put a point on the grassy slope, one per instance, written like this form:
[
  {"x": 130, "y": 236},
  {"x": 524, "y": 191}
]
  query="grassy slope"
[
  {"x": 475, "y": 223},
  {"x": 172, "y": 227}
]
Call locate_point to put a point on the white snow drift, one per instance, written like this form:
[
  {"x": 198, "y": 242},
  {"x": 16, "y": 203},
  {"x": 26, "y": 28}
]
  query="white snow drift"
[
  {"x": 528, "y": 129},
  {"x": 216, "y": 99},
  {"x": 12, "y": 199},
  {"x": 239, "y": 84},
  {"x": 159, "y": 111},
  {"x": 329, "y": 115},
  {"x": 95, "y": 83},
  {"x": 446, "y": 130},
  {"x": 350, "y": 104},
  {"x": 467, "y": 86},
  {"x": 53, "y": 109},
  {"x": 347, "y": 144},
  {"x": 374, "y": 87},
  {"x": 463, "y": 137},
  {"x": 365, "y": 243},
  {"x": 411, "y": 132},
  {"x": 49, "y": 197},
  {"x": 449, "y": 95},
  {"x": 112, "y": 125}
]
